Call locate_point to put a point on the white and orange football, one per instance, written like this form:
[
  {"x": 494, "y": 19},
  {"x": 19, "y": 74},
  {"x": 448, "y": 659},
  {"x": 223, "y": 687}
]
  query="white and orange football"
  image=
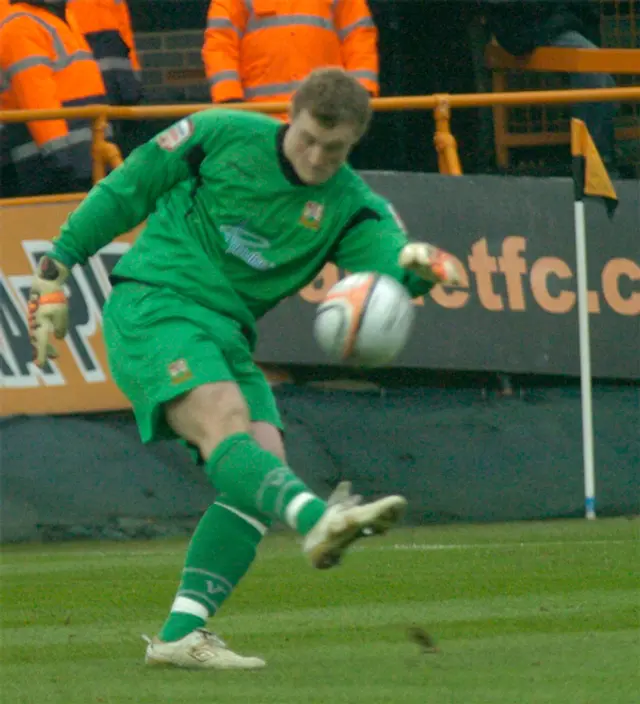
[{"x": 365, "y": 320}]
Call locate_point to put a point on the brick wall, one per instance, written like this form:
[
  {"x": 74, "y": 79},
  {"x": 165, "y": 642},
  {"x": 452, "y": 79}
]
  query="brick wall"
[{"x": 172, "y": 68}]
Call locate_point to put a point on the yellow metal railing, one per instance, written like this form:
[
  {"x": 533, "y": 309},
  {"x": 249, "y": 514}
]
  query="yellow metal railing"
[
  {"x": 107, "y": 155},
  {"x": 537, "y": 126}
]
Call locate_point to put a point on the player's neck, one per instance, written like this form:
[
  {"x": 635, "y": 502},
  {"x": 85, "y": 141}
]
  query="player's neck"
[{"x": 284, "y": 149}]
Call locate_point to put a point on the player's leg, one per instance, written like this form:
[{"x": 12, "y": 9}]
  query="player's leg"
[
  {"x": 225, "y": 541},
  {"x": 220, "y": 553},
  {"x": 258, "y": 480},
  {"x": 161, "y": 360},
  {"x": 328, "y": 539},
  {"x": 215, "y": 418},
  {"x": 157, "y": 351}
]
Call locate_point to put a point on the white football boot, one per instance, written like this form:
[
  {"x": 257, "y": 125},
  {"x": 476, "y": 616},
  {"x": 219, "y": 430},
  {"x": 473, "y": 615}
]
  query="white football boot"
[
  {"x": 200, "y": 650},
  {"x": 346, "y": 520}
]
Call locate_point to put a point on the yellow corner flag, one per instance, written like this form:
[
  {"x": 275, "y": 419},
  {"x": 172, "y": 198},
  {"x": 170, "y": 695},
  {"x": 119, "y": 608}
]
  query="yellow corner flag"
[{"x": 590, "y": 177}]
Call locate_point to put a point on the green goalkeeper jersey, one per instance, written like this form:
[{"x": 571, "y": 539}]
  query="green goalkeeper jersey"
[{"x": 228, "y": 222}]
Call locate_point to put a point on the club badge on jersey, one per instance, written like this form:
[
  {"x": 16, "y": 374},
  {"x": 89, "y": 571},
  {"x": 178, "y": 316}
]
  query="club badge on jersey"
[
  {"x": 179, "y": 371},
  {"x": 312, "y": 215},
  {"x": 176, "y": 135}
]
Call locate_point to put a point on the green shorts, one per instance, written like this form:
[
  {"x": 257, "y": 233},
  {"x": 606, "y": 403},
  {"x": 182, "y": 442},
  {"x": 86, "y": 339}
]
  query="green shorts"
[{"x": 161, "y": 345}]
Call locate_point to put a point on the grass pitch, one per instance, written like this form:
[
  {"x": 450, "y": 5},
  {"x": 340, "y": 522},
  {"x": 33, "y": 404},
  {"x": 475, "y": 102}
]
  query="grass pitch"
[{"x": 527, "y": 613}]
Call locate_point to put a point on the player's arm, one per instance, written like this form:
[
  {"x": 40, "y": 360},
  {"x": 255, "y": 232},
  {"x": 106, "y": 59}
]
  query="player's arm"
[
  {"x": 116, "y": 205},
  {"x": 375, "y": 240},
  {"x": 129, "y": 194}
]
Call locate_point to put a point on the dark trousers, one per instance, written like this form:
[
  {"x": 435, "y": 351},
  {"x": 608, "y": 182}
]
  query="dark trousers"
[{"x": 597, "y": 116}]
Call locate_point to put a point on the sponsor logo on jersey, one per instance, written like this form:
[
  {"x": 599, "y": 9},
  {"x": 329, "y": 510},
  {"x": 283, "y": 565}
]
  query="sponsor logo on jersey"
[
  {"x": 174, "y": 136},
  {"x": 243, "y": 244},
  {"x": 179, "y": 371},
  {"x": 312, "y": 215}
]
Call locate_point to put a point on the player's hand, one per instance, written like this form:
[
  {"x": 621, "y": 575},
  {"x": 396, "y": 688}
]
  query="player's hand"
[
  {"x": 48, "y": 309},
  {"x": 429, "y": 263}
]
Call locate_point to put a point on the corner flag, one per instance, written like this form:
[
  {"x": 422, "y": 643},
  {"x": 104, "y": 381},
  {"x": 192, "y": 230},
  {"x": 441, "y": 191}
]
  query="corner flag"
[{"x": 590, "y": 177}]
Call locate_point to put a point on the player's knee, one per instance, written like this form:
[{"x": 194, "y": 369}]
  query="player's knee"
[{"x": 208, "y": 414}]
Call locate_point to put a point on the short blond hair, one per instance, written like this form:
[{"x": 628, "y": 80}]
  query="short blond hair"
[{"x": 333, "y": 97}]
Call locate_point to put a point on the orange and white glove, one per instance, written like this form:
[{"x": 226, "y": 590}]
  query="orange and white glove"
[
  {"x": 48, "y": 309},
  {"x": 429, "y": 263}
]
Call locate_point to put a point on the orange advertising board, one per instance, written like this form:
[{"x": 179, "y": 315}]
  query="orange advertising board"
[{"x": 79, "y": 380}]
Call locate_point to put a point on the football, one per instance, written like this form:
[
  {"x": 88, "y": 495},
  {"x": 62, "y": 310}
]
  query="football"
[{"x": 365, "y": 320}]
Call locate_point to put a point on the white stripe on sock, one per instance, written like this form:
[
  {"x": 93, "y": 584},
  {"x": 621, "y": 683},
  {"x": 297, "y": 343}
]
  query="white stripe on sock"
[
  {"x": 188, "y": 606},
  {"x": 295, "y": 506},
  {"x": 260, "y": 527}
]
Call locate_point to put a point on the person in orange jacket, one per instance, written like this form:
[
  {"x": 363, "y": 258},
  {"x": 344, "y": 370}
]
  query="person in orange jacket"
[
  {"x": 45, "y": 63},
  {"x": 106, "y": 25},
  {"x": 7, "y": 171},
  {"x": 259, "y": 50}
]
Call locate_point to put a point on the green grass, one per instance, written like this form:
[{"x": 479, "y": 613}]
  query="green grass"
[{"x": 526, "y": 613}]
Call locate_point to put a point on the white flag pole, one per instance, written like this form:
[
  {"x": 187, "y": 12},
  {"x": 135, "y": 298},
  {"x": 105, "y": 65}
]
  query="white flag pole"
[{"x": 585, "y": 363}]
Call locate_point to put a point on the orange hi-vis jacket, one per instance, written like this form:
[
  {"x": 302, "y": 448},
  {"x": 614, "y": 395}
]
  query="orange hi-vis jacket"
[
  {"x": 45, "y": 63},
  {"x": 261, "y": 50},
  {"x": 5, "y": 8},
  {"x": 106, "y": 25}
]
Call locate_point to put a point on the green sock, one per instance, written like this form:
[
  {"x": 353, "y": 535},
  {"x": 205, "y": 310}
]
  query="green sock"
[
  {"x": 221, "y": 550},
  {"x": 253, "y": 477},
  {"x": 178, "y": 625}
]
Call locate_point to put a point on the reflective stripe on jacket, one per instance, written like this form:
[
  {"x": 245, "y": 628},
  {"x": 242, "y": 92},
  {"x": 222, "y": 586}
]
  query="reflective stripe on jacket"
[
  {"x": 261, "y": 50},
  {"x": 44, "y": 63},
  {"x": 106, "y": 25}
]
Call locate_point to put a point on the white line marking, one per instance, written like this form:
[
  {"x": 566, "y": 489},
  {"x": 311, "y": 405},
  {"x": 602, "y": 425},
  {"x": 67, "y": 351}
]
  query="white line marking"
[
  {"x": 426, "y": 547},
  {"x": 417, "y": 547}
]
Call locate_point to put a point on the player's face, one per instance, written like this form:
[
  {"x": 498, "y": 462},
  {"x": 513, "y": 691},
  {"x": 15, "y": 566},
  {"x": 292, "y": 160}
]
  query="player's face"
[{"x": 317, "y": 152}]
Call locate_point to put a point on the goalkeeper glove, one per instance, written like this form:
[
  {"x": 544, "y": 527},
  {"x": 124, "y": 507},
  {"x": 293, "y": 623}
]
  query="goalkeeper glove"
[
  {"x": 429, "y": 263},
  {"x": 48, "y": 309}
]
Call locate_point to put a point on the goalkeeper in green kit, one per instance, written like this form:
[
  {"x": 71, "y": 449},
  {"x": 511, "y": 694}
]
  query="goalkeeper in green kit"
[{"x": 241, "y": 211}]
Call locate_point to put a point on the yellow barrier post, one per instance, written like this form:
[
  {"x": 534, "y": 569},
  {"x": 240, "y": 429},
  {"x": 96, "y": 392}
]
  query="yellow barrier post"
[
  {"x": 445, "y": 143},
  {"x": 104, "y": 153},
  {"x": 98, "y": 126}
]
